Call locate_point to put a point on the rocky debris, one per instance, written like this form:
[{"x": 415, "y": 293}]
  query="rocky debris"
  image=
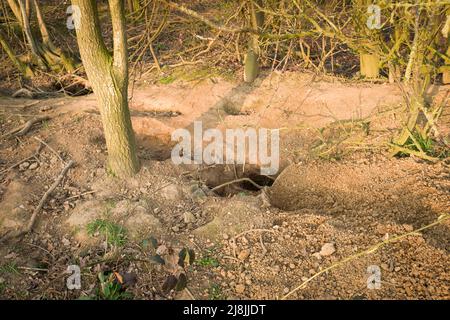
[
  {"x": 172, "y": 192},
  {"x": 240, "y": 288},
  {"x": 24, "y": 166},
  {"x": 244, "y": 254},
  {"x": 327, "y": 249},
  {"x": 33, "y": 166},
  {"x": 188, "y": 217}
]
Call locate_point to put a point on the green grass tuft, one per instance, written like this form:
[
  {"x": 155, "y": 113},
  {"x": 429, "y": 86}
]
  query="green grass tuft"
[{"x": 114, "y": 233}]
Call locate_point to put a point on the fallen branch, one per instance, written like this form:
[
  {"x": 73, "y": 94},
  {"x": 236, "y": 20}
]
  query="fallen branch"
[
  {"x": 23, "y": 92},
  {"x": 40, "y": 205},
  {"x": 50, "y": 148},
  {"x": 370, "y": 250},
  {"x": 81, "y": 194},
  {"x": 21, "y": 131}
]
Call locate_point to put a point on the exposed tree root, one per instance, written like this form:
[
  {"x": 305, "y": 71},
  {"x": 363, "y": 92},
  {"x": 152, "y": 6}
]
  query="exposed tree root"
[
  {"x": 43, "y": 200},
  {"x": 22, "y": 130}
]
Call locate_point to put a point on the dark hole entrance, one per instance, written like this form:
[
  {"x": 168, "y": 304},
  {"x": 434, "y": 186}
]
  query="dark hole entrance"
[{"x": 261, "y": 180}]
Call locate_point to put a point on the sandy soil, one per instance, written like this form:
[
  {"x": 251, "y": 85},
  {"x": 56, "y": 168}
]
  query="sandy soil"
[{"x": 338, "y": 194}]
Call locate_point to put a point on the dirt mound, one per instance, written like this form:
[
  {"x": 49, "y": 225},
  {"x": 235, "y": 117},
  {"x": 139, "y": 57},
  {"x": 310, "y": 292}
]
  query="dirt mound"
[{"x": 390, "y": 192}]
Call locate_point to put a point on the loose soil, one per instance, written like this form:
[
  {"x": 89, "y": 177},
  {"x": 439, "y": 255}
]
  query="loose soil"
[{"x": 338, "y": 193}]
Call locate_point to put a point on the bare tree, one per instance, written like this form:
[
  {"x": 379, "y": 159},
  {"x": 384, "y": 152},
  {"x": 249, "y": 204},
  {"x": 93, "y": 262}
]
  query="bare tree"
[{"x": 108, "y": 74}]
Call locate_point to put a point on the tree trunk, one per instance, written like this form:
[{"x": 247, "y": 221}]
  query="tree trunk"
[
  {"x": 446, "y": 73},
  {"x": 446, "y": 34},
  {"x": 370, "y": 65},
  {"x": 109, "y": 78},
  {"x": 251, "y": 64},
  {"x": 43, "y": 53},
  {"x": 23, "y": 67},
  {"x": 133, "y": 5}
]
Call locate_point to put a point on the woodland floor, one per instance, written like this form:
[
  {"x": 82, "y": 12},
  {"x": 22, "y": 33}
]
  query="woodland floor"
[{"x": 339, "y": 187}]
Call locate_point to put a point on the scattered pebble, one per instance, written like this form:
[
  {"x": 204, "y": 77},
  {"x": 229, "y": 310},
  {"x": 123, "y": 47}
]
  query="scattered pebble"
[
  {"x": 240, "y": 288},
  {"x": 327, "y": 249},
  {"x": 243, "y": 255},
  {"x": 188, "y": 217},
  {"x": 24, "y": 165}
]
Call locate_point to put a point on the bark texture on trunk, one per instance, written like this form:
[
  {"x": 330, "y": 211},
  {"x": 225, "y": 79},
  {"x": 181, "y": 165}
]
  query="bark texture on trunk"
[
  {"x": 108, "y": 75},
  {"x": 251, "y": 62},
  {"x": 370, "y": 65}
]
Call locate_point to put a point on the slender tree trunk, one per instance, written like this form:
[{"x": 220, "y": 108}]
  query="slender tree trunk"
[
  {"x": 14, "y": 5},
  {"x": 369, "y": 65},
  {"x": 133, "y": 5},
  {"x": 23, "y": 67},
  {"x": 109, "y": 78},
  {"x": 43, "y": 53},
  {"x": 446, "y": 72},
  {"x": 251, "y": 63}
]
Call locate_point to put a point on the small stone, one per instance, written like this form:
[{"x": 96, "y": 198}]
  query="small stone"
[
  {"x": 172, "y": 192},
  {"x": 317, "y": 255},
  {"x": 175, "y": 228},
  {"x": 225, "y": 236},
  {"x": 24, "y": 166},
  {"x": 65, "y": 242},
  {"x": 327, "y": 249},
  {"x": 66, "y": 205},
  {"x": 45, "y": 108},
  {"x": 240, "y": 288},
  {"x": 156, "y": 210},
  {"x": 243, "y": 255},
  {"x": 286, "y": 290},
  {"x": 292, "y": 266},
  {"x": 188, "y": 217},
  {"x": 33, "y": 166},
  {"x": 161, "y": 250}
]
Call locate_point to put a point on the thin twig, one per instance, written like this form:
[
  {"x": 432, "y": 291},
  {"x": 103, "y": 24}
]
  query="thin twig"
[
  {"x": 40, "y": 205},
  {"x": 51, "y": 149},
  {"x": 370, "y": 250},
  {"x": 236, "y": 181}
]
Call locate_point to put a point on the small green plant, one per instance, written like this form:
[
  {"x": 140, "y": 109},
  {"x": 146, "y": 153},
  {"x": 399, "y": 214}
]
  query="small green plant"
[
  {"x": 10, "y": 267},
  {"x": 45, "y": 125},
  {"x": 114, "y": 233},
  {"x": 208, "y": 262},
  {"x": 110, "y": 288},
  {"x": 167, "y": 79},
  {"x": 215, "y": 292}
]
